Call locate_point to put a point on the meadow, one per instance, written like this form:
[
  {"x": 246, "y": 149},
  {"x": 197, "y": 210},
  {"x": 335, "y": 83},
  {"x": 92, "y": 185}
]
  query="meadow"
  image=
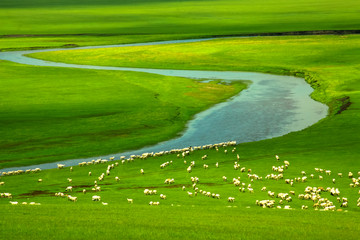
[
  {"x": 40, "y": 23},
  {"x": 181, "y": 215},
  {"x": 56, "y": 114},
  {"x": 49, "y": 114}
]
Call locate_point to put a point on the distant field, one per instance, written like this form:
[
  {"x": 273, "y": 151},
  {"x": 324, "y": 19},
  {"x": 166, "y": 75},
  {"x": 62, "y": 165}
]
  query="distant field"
[{"x": 112, "y": 21}]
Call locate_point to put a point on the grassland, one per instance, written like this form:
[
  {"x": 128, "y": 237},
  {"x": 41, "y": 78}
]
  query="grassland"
[
  {"x": 180, "y": 216},
  {"x": 58, "y": 119},
  {"x": 50, "y": 114},
  {"x": 29, "y": 23}
]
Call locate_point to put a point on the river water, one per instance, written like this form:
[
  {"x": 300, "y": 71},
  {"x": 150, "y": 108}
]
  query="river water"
[{"x": 271, "y": 106}]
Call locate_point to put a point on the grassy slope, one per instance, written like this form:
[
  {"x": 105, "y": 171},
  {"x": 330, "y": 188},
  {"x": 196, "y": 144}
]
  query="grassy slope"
[
  {"x": 50, "y": 114},
  {"x": 163, "y": 19},
  {"x": 329, "y": 63},
  {"x": 180, "y": 216}
]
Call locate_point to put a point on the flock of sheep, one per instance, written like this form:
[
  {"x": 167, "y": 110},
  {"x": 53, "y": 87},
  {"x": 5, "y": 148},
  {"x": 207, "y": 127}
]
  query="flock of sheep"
[{"x": 312, "y": 195}]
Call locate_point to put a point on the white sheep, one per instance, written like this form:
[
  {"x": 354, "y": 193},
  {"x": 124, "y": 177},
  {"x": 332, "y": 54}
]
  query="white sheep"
[
  {"x": 13, "y": 203},
  {"x": 162, "y": 196},
  {"x": 231, "y": 199},
  {"x": 69, "y": 188},
  {"x": 142, "y": 171},
  {"x": 217, "y": 164},
  {"x": 60, "y": 166},
  {"x": 71, "y": 198},
  {"x": 130, "y": 200},
  {"x": 96, "y": 198}
]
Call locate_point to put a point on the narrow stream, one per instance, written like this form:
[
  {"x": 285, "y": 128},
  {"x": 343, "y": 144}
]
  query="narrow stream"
[{"x": 272, "y": 106}]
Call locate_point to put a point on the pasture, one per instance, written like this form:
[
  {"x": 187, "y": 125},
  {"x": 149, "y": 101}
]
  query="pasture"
[
  {"x": 49, "y": 114},
  {"x": 190, "y": 211},
  {"x": 55, "y": 113},
  {"x": 39, "y": 23}
]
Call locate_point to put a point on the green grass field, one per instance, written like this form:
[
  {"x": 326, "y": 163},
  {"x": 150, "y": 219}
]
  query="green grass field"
[
  {"x": 49, "y": 114},
  {"x": 180, "y": 215},
  {"x": 106, "y": 22}
]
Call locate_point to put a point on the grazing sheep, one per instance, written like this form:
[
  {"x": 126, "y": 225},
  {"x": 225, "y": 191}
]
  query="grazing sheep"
[
  {"x": 142, "y": 171},
  {"x": 96, "y": 198},
  {"x": 190, "y": 194},
  {"x": 169, "y": 181},
  {"x": 231, "y": 199},
  {"x": 84, "y": 191},
  {"x": 224, "y": 178},
  {"x": 2, "y": 183},
  {"x": 217, "y": 164},
  {"x": 206, "y": 166},
  {"x": 71, "y": 198},
  {"x": 183, "y": 188},
  {"x": 117, "y": 178},
  {"x": 13, "y": 203},
  {"x": 89, "y": 174},
  {"x": 40, "y": 180},
  {"x": 271, "y": 194},
  {"x": 60, "y": 166},
  {"x": 277, "y": 157},
  {"x": 333, "y": 180},
  {"x": 328, "y": 172},
  {"x": 69, "y": 188},
  {"x": 162, "y": 196},
  {"x": 320, "y": 177},
  {"x": 104, "y": 203},
  {"x": 130, "y": 200},
  {"x": 69, "y": 180},
  {"x": 189, "y": 169}
]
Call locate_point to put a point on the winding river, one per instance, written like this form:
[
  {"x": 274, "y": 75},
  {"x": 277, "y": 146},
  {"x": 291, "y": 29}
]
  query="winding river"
[{"x": 271, "y": 106}]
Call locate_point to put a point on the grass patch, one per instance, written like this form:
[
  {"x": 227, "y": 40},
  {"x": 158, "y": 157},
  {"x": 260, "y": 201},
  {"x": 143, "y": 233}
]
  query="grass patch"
[
  {"x": 50, "y": 114},
  {"x": 176, "y": 215},
  {"x": 115, "y": 21}
]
